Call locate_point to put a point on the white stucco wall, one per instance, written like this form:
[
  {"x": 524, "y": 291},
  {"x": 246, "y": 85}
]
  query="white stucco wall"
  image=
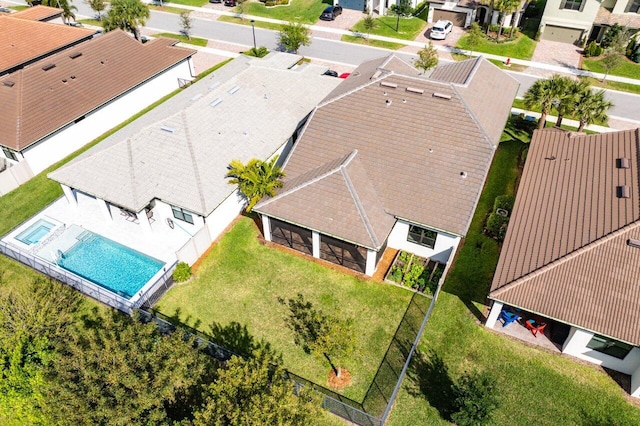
[
  {"x": 224, "y": 214},
  {"x": 75, "y": 136},
  {"x": 446, "y": 244},
  {"x": 576, "y": 345},
  {"x": 496, "y": 307},
  {"x": 553, "y": 15},
  {"x": 162, "y": 211}
]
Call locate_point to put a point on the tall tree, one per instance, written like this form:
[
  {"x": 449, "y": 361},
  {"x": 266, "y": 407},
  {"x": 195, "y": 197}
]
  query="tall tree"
[
  {"x": 256, "y": 179},
  {"x": 505, "y": 7},
  {"x": 128, "y": 15},
  {"x": 427, "y": 58},
  {"x": 591, "y": 106},
  {"x": 369, "y": 24},
  {"x": 543, "y": 93},
  {"x": 474, "y": 36},
  {"x": 185, "y": 23},
  {"x": 255, "y": 391},
  {"x": 97, "y": 6},
  {"x": 566, "y": 101},
  {"x": 610, "y": 62},
  {"x": 292, "y": 36}
]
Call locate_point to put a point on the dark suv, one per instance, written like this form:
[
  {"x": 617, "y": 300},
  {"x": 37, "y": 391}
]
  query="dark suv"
[{"x": 331, "y": 13}]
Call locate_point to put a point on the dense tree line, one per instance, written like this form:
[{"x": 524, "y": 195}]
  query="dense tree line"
[{"x": 65, "y": 364}]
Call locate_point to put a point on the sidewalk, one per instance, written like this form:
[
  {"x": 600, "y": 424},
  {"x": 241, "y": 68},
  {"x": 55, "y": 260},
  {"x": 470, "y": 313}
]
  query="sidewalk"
[{"x": 203, "y": 11}]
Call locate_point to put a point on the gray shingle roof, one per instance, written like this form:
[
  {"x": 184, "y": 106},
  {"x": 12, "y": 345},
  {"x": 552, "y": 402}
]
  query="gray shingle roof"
[{"x": 247, "y": 109}]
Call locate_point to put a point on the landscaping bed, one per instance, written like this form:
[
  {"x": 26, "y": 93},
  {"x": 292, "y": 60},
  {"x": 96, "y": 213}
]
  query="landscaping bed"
[
  {"x": 522, "y": 47},
  {"x": 302, "y": 11},
  {"x": 408, "y": 28},
  {"x": 418, "y": 273}
]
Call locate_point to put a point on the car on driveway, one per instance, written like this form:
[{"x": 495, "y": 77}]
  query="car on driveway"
[
  {"x": 331, "y": 13},
  {"x": 441, "y": 29}
]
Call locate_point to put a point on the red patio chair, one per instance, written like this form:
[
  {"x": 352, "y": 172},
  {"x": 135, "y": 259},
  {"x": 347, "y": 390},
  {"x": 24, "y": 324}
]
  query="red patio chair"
[{"x": 535, "y": 327}]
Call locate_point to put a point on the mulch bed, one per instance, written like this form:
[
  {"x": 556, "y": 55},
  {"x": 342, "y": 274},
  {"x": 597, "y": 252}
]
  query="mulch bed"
[{"x": 341, "y": 382}]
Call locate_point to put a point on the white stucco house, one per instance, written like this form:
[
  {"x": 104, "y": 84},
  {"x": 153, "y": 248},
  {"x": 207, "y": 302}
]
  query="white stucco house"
[
  {"x": 570, "y": 261},
  {"x": 356, "y": 184}
]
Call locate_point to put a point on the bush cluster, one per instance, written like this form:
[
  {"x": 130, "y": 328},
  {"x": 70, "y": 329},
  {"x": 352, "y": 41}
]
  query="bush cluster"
[
  {"x": 182, "y": 272},
  {"x": 593, "y": 49},
  {"x": 504, "y": 202},
  {"x": 497, "y": 226}
]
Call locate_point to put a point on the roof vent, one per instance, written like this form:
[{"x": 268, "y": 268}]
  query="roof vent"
[
  {"x": 624, "y": 191},
  {"x": 48, "y": 67},
  {"x": 215, "y": 103},
  {"x": 441, "y": 96},
  {"x": 168, "y": 129},
  {"x": 234, "y": 89},
  {"x": 463, "y": 175},
  {"x": 8, "y": 83},
  {"x": 388, "y": 84},
  {"x": 633, "y": 242},
  {"x": 376, "y": 74},
  {"x": 64, "y": 80},
  {"x": 75, "y": 55},
  {"x": 623, "y": 163},
  {"x": 388, "y": 102},
  {"x": 415, "y": 90},
  {"x": 73, "y": 77}
]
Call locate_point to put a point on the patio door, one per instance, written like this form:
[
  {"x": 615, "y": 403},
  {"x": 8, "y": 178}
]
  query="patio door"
[{"x": 343, "y": 253}]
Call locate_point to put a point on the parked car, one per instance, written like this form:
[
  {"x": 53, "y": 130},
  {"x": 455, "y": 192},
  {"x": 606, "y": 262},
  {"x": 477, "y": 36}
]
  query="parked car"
[
  {"x": 215, "y": 1},
  {"x": 230, "y": 3},
  {"x": 331, "y": 73},
  {"x": 441, "y": 29},
  {"x": 5, "y": 10},
  {"x": 331, "y": 13},
  {"x": 345, "y": 74},
  {"x": 75, "y": 24}
]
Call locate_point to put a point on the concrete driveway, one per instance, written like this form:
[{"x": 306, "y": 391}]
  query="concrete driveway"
[
  {"x": 345, "y": 21},
  {"x": 555, "y": 53},
  {"x": 450, "y": 41}
]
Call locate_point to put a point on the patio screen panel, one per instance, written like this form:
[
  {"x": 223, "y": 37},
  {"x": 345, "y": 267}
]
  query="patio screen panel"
[
  {"x": 343, "y": 253},
  {"x": 292, "y": 236}
]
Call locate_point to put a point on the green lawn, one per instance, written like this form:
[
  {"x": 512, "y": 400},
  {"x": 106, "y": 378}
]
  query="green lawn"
[
  {"x": 167, "y": 9},
  {"x": 522, "y": 48},
  {"x": 534, "y": 386},
  {"x": 93, "y": 22},
  {"x": 371, "y": 42},
  {"x": 195, "y": 3},
  {"x": 519, "y": 103},
  {"x": 241, "y": 281},
  {"x": 408, "y": 28},
  {"x": 196, "y": 41},
  {"x": 257, "y": 24},
  {"x": 18, "y": 8},
  {"x": 302, "y": 11},
  {"x": 613, "y": 85},
  {"x": 627, "y": 68}
]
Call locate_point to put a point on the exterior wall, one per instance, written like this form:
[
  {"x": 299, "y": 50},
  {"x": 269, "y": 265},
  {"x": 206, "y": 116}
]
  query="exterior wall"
[
  {"x": 56, "y": 147},
  {"x": 434, "y": 6},
  {"x": 496, "y": 307},
  {"x": 224, "y": 214},
  {"x": 576, "y": 345},
  {"x": 446, "y": 244},
  {"x": 635, "y": 383},
  {"x": 553, "y": 15},
  {"x": 162, "y": 211}
]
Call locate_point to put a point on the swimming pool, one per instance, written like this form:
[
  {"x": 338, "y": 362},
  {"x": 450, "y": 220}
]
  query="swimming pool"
[
  {"x": 109, "y": 264},
  {"x": 35, "y": 232}
]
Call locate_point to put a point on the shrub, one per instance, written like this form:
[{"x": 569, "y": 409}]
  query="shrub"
[
  {"x": 182, "y": 272},
  {"x": 494, "y": 28},
  {"x": 260, "y": 52},
  {"x": 593, "y": 49},
  {"x": 396, "y": 275},
  {"x": 475, "y": 399},
  {"x": 497, "y": 226},
  {"x": 504, "y": 202},
  {"x": 413, "y": 275}
]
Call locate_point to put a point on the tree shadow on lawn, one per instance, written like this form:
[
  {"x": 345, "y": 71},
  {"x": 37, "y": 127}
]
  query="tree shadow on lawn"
[
  {"x": 236, "y": 337},
  {"x": 429, "y": 378}
]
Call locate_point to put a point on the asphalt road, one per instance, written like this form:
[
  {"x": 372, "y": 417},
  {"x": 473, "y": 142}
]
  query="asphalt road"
[{"x": 626, "y": 105}]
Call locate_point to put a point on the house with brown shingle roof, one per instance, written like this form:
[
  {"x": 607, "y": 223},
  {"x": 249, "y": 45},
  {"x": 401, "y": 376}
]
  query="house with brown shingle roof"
[
  {"x": 391, "y": 159},
  {"x": 40, "y": 13},
  {"x": 571, "y": 256},
  {"x": 55, "y": 106}
]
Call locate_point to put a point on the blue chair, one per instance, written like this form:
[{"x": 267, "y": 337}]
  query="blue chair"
[{"x": 508, "y": 317}]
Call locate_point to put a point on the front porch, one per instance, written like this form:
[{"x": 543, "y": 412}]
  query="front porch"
[{"x": 550, "y": 338}]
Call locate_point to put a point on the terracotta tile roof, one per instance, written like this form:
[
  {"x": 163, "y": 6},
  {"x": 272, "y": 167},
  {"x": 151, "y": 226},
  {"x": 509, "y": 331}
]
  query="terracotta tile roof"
[
  {"x": 38, "y": 13},
  {"x": 415, "y": 139},
  {"x": 455, "y": 72},
  {"x": 565, "y": 255},
  {"x": 605, "y": 17},
  {"x": 22, "y": 41},
  {"x": 31, "y": 107}
]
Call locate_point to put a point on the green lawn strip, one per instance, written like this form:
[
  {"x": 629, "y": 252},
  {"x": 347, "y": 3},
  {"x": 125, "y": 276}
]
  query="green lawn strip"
[
  {"x": 258, "y": 24},
  {"x": 527, "y": 377},
  {"x": 522, "y": 48},
  {"x": 195, "y": 3},
  {"x": 18, "y": 8},
  {"x": 196, "y": 41},
  {"x": 613, "y": 85},
  {"x": 93, "y": 22},
  {"x": 627, "y": 68},
  {"x": 167, "y": 9},
  {"x": 241, "y": 281},
  {"x": 28, "y": 199},
  {"x": 302, "y": 11},
  {"x": 519, "y": 103},
  {"x": 372, "y": 42},
  {"x": 408, "y": 28},
  {"x": 512, "y": 67}
]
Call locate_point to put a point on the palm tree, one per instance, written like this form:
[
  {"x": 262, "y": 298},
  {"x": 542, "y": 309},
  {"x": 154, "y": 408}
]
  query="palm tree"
[
  {"x": 128, "y": 15},
  {"x": 591, "y": 106},
  {"x": 543, "y": 94},
  {"x": 571, "y": 90},
  {"x": 505, "y": 7},
  {"x": 256, "y": 179},
  {"x": 67, "y": 8}
]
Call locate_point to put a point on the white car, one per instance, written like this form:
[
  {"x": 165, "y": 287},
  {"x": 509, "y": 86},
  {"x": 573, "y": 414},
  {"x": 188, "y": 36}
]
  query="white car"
[{"x": 441, "y": 29}]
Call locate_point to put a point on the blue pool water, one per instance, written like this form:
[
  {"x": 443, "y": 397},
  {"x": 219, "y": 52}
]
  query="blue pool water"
[
  {"x": 35, "y": 232},
  {"x": 109, "y": 264}
]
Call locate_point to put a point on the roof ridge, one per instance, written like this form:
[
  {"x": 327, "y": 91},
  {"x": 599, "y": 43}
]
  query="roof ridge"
[
  {"x": 354, "y": 195},
  {"x": 355, "y": 89},
  {"x": 19, "y": 108},
  {"x": 566, "y": 258},
  {"x": 132, "y": 175},
  {"x": 473, "y": 116},
  {"x": 311, "y": 181},
  {"x": 476, "y": 65},
  {"x": 194, "y": 163}
]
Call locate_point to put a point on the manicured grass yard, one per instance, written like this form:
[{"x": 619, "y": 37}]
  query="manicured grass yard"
[
  {"x": 408, "y": 28},
  {"x": 196, "y": 3},
  {"x": 184, "y": 39},
  {"x": 302, "y": 11},
  {"x": 522, "y": 48},
  {"x": 372, "y": 42},
  {"x": 257, "y": 24},
  {"x": 627, "y": 67},
  {"x": 241, "y": 281},
  {"x": 519, "y": 103},
  {"x": 534, "y": 386}
]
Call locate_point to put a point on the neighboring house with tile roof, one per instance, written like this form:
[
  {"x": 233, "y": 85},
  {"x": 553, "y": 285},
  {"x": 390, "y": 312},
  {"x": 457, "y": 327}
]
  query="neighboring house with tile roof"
[
  {"x": 391, "y": 158},
  {"x": 40, "y": 13},
  {"x": 57, "y": 105},
  {"x": 174, "y": 166},
  {"x": 572, "y": 250}
]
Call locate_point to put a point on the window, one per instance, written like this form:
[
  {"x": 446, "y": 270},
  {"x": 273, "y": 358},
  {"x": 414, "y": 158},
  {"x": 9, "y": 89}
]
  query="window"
[
  {"x": 572, "y": 4},
  {"x": 424, "y": 237},
  {"x": 609, "y": 346},
  {"x": 635, "y": 7},
  {"x": 9, "y": 154},
  {"x": 181, "y": 214}
]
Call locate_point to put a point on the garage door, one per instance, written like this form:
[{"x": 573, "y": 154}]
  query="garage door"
[
  {"x": 458, "y": 18},
  {"x": 565, "y": 35},
  {"x": 352, "y": 4}
]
